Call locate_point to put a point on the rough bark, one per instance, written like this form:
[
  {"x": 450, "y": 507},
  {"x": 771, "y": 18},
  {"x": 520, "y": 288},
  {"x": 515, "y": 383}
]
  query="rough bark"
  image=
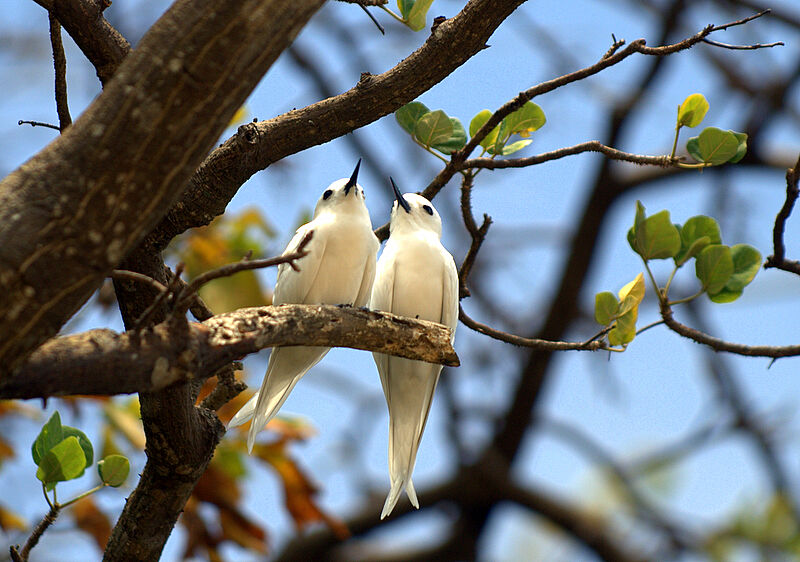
[
  {"x": 83, "y": 210},
  {"x": 152, "y": 359}
]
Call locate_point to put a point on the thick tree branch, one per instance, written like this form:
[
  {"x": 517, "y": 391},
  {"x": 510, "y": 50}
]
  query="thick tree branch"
[
  {"x": 257, "y": 145},
  {"x": 170, "y": 100},
  {"x": 152, "y": 359}
]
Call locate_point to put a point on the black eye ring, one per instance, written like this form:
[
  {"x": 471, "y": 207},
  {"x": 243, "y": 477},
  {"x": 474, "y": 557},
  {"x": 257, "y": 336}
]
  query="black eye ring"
[
  {"x": 327, "y": 194},
  {"x": 428, "y": 209}
]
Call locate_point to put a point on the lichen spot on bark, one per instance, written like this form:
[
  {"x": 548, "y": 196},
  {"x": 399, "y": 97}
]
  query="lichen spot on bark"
[{"x": 160, "y": 371}]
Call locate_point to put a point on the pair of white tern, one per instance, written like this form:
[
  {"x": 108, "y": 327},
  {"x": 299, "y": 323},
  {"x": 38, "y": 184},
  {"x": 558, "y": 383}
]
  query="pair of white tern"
[{"x": 415, "y": 277}]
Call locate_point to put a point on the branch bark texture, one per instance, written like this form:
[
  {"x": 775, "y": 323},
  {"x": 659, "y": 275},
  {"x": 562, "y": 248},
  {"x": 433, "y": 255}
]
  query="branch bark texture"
[
  {"x": 84, "y": 210},
  {"x": 152, "y": 359}
]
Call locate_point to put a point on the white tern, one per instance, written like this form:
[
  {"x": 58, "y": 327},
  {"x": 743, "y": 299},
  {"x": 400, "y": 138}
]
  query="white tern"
[
  {"x": 338, "y": 269},
  {"x": 416, "y": 277}
]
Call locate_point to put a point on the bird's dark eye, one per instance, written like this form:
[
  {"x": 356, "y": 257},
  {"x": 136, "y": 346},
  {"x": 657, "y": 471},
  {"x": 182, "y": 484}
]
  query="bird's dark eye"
[
  {"x": 428, "y": 209},
  {"x": 327, "y": 193}
]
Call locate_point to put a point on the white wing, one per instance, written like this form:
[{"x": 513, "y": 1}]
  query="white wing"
[
  {"x": 293, "y": 286},
  {"x": 450, "y": 294},
  {"x": 364, "y": 295}
]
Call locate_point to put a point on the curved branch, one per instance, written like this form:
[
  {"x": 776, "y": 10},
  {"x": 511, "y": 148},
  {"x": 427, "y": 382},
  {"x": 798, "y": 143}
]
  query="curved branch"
[
  {"x": 172, "y": 352},
  {"x": 528, "y": 342},
  {"x": 774, "y": 351},
  {"x": 778, "y": 258}
]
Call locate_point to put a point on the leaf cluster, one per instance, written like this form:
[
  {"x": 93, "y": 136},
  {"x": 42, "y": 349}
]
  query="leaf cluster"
[
  {"x": 63, "y": 453},
  {"x": 435, "y": 130},
  {"x": 712, "y": 146},
  {"x": 723, "y": 271}
]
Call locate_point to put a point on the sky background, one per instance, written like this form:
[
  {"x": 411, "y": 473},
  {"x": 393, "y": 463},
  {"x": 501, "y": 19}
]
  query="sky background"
[{"x": 630, "y": 403}]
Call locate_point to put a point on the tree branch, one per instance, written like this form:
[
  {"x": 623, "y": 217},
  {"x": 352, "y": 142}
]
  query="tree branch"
[
  {"x": 152, "y": 359},
  {"x": 774, "y": 351},
  {"x": 778, "y": 258},
  {"x": 208, "y": 56},
  {"x": 60, "y": 66},
  {"x": 257, "y": 145},
  {"x": 103, "y": 45}
]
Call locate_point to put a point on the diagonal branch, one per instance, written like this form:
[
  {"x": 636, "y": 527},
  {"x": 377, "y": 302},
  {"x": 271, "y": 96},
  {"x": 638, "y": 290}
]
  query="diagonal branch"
[
  {"x": 60, "y": 65},
  {"x": 152, "y": 359}
]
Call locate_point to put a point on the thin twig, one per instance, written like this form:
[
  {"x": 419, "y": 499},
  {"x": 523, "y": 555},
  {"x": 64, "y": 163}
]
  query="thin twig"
[
  {"x": 46, "y": 521},
  {"x": 124, "y": 274},
  {"x": 722, "y": 345},
  {"x": 478, "y": 234},
  {"x": 188, "y": 292},
  {"x": 528, "y": 342},
  {"x": 60, "y": 65},
  {"x": 38, "y": 124},
  {"x": 172, "y": 287},
  {"x": 752, "y": 47},
  {"x": 588, "y": 146},
  {"x": 778, "y": 258}
]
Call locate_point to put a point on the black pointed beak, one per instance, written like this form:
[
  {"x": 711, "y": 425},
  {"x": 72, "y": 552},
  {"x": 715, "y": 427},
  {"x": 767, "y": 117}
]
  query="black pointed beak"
[
  {"x": 400, "y": 199},
  {"x": 352, "y": 181}
]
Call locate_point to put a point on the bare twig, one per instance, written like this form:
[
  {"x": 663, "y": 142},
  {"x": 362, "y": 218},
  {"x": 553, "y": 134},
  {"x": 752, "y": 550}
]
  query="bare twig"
[
  {"x": 187, "y": 293},
  {"x": 528, "y": 342},
  {"x": 722, "y": 345},
  {"x": 752, "y": 47},
  {"x": 38, "y": 124},
  {"x": 138, "y": 278},
  {"x": 60, "y": 65},
  {"x": 478, "y": 234},
  {"x": 173, "y": 287},
  {"x": 663, "y": 161},
  {"x": 778, "y": 258},
  {"x": 46, "y": 521}
]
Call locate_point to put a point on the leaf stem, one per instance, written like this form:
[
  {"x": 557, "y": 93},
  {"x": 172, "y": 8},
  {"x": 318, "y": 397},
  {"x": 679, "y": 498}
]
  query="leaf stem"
[
  {"x": 669, "y": 281},
  {"x": 675, "y": 142},
  {"x": 687, "y": 299},
  {"x": 391, "y": 13},
  {"x": 46, "y": 497},
  {"x": 83, "y": 495}
]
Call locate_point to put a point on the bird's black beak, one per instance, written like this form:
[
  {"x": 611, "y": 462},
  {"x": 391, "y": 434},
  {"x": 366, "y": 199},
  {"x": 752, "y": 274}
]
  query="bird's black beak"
[
  {"x": 352, "y": 181},
  {"x": 400, "y": 199}
]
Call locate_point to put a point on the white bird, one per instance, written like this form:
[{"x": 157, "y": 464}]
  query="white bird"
[
  {"x": 338, "y": 269},
  {"x": 416, "y": 277}
]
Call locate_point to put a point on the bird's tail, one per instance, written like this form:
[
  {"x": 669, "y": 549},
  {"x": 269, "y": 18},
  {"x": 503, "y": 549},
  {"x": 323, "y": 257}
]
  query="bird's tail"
[
  {"x": 410, "y": 389},
  {"x": 286, "y": 366}
]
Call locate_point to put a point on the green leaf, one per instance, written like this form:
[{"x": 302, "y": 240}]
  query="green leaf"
[
  {"x": 50, "y": 436},
  {"x": 63, "y": 462},
  {"x": 693, "y": 148},
  {"x": 515, "y": 146},
  {"x": 746, "y": 263},
  {"x": 523, "y": 121},
  {"x": 477, "y": 122},
  {"x": 456, "y": 141},
  {"x": 417, "y": 14},
  {"x": 631, "y": 296},
  {"x": 714, "y": 267},
  {"x": 696, "y": 234},
  {"x": 742, "y": 149},
  {"x": 433, "y": 128},
  {"x": 113, "y": 470},
  {"x": 692, "y": 110},
  {"x": 83, "y": 441},
  {"x": 530, "y": 117},
  {"x": 409, "y": 114},
  {"x": 605, "y": 308},
  {"x": 405, "y": 7},
  {"x": 717, "y": 146},
  {"x": 655, "y": 237}
]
